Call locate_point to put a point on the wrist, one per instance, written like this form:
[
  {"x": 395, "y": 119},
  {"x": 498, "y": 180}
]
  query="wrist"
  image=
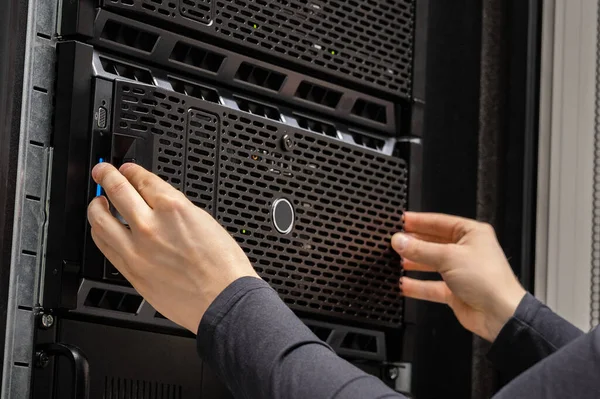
[{"x": 505, "y": 308}]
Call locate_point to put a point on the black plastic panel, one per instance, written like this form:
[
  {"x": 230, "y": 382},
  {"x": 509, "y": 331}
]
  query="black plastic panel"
[
  {"x": 131, "y": 364},
  {"x": 348, "y": 200},
  {"x": 366, "y": 41}
]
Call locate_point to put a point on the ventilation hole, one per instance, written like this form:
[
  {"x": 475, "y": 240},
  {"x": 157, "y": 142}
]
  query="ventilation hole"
[
  {"x": 318, "y": 95},
  {"x": 360, "y": 342},
  {"x": 120, "y": 387},
  {"x": 129, "y": 36},
  {"x": 257, "y": 108},
  {"x": 369, "y": 110},
  {"x": 368, "y": 141},
  {"x": 126, "y": 71},
  {"x": 316, "y": 126},
  {"x": 113, "y": 300},
  {"x": 260, "y": 76},
  {"x": 194, "y": 90},
  {"x": 197, "y": 57}
]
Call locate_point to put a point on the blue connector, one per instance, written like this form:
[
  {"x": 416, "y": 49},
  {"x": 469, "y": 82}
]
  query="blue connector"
[{"x": 98, "y": 187}]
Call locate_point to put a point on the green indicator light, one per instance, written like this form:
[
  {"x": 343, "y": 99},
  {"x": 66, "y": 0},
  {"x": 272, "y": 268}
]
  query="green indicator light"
[
  {"x": 255, "y": 26},
  {"x": 333, "y": 52},
  {"x": 243, "y": 231}
]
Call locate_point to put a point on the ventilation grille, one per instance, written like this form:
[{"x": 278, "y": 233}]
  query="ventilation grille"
[
  {"x": 316, "y": 126},
  {"x": 128, "y": 36},
  {"x": 260, "y": 76},
  {"x": 126, "y": 71},
  {"x": 256, "y": 108},
  {"x": 318, "y": 95},
  {"x": 195, "y": 90},
  {"x": 367, "y": 41},
  {"x": 179, "y": 137},
  {"x": 348, "y": 202},
  {"x": 197, "y": 58},
  {"x": 113, "y": 300},
  {"x": 200, "y": 160},
  {"x": 124, "y": 388},
  {"x": 199, "y": 10},
  {"x": 370, "y": 110}
]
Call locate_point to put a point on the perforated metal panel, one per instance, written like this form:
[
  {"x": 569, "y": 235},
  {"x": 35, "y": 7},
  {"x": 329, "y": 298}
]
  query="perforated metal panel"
[
  {"x": 367, "y": 41},
  {"x": 164, "y": 118},
  {"x": 347, "y": 199}
]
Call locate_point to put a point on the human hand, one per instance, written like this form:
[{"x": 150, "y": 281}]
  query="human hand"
[
  {"x": 478, "y": 283},
  {"x": 174, "y": 254}
]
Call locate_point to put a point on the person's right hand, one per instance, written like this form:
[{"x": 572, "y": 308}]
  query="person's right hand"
[{"x": 478, "y": 285}]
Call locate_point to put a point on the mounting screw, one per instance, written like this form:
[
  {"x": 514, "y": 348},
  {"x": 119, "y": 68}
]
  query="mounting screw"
[
  {"x": 41, "y": 359},
  {"x": 393, "y": 373},
  {"x": 47, "y": 320},
  {"x": 287, "y": 142}
]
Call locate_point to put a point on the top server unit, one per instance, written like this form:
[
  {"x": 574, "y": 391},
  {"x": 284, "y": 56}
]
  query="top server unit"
[{"x": 363, "y": 42}]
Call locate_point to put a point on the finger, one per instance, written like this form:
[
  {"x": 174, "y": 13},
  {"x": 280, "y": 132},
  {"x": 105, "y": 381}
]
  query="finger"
[
  {"x": 147, "y": 184},
  {"x": 433, "y": 291},
  {"x": 451, "y": 228},
  {"x": 428, "y": 253},
  {"x": 430, "y": 238},
  {"x": 121, "y": 193},
  {"x": 108, "y": 251},
  {"x": 108, "y": 228},
  {"x": 411, "y": 266}
]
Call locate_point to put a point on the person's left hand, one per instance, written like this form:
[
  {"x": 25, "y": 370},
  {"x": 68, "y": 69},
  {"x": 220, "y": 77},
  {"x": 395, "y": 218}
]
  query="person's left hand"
[{"x": 174, "y": 254}]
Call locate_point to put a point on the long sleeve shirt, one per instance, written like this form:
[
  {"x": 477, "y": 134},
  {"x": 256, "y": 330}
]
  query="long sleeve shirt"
[{"x": 260, "y": 349}]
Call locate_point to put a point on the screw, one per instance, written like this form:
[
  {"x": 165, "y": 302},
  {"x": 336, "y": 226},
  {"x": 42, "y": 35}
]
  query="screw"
[
  {"x": 47, "y": 320},
  {"x": 41, "y": 359},
  {"x": 392, "y": 373},
  {"x": 288, "y": 143}
]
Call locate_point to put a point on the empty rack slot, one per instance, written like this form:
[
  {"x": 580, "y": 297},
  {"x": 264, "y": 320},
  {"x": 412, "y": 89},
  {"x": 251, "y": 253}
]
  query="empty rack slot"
[
  {"x": 316, "y": 126},
  {"x": 194, "y": 90},
  {"x": 257, "y": 108},
  {"x": 369, "y": 110},
  {"x": 318, "y": 94},
  {"x": 259, "y": 76},
  {"x": 128, "y": 36},
  {"x": 126, "y": 71},
  {"x": 197, "y": 57}
]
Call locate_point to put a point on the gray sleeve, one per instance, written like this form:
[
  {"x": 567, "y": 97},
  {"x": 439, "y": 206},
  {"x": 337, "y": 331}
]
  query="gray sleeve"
[
  {"x": 260, "y": 349},
  {"x": 573, "y": 371},
  {"x": 532, "y": 334}
]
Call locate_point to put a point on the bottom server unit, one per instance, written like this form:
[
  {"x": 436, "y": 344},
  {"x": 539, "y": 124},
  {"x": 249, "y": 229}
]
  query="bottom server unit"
[{"x": 312, "y": 202}]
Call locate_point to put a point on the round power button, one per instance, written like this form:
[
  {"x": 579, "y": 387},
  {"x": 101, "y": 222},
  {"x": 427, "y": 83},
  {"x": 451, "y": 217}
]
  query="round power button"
[{"x": 283, "y": 215}]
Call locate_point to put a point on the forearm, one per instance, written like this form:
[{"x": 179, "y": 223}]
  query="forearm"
[
  {"x": 533, "y": 333},
  {"x": 259, "y": 348},
  {"x": 571, "y": 372}
]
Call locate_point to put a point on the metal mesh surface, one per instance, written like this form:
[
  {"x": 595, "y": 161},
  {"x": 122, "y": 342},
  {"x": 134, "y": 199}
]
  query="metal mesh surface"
[
  {"x": 367, "y": 41},
  {"x": 347, "y": 199}
]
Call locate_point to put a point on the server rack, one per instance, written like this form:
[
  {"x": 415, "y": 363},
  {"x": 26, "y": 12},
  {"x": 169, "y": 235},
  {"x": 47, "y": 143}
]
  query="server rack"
[{"x": 323, "y": 102}]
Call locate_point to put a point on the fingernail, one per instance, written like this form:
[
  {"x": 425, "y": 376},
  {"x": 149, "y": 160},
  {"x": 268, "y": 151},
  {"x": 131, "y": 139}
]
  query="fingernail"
[
  {"x": 96, "y": 170},
  {"x": 126, "y": 166},
  {"x": 399, "y": 242}
]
